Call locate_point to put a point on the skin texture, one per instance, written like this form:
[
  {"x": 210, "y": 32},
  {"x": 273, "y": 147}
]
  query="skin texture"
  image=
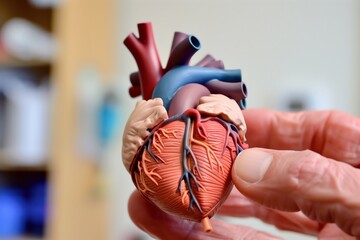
[{"x": 308, "y": 180}]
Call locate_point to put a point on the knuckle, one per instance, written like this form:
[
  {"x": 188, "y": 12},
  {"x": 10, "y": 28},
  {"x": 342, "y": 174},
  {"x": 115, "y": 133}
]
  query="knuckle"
[{"x": 308, "y": 171}]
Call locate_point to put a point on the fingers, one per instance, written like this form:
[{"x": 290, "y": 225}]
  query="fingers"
[
  {"x": 225, "y": 108},
  {"x": 323, "y": 189},
  {"x": 146, "y": 115},
  {"x": 333, "y": 134},
  {"x": 163, "y": 226},
  {"x": 333, "y": 232},
  {"x": 238, "y": 205}
]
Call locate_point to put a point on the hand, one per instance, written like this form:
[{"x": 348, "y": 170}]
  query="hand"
[
  {"x": 322, "y": 182},
  {"x": 334, "y": 135}
]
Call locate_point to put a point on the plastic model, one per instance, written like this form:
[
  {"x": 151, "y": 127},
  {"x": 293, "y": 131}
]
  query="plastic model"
[{"x": 180, "y": 141}]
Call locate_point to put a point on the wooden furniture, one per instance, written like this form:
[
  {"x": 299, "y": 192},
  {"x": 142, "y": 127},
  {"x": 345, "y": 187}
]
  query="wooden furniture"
[{"x": 85, "y": 32}]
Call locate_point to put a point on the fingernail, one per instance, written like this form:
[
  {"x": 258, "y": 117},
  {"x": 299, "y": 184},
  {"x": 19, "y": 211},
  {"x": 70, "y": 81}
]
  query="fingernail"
[{"x": 251, "y": 165}]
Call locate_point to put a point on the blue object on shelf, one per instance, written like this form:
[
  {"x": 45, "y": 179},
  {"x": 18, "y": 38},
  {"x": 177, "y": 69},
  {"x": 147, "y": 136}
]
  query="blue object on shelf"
[
  {"x": 108, "y": 117},
  {"x": 12, "y": 213},
  {"x": 36, "y": 208}
]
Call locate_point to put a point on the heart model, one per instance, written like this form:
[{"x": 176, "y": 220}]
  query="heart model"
[{"x": 179, "y": 143}]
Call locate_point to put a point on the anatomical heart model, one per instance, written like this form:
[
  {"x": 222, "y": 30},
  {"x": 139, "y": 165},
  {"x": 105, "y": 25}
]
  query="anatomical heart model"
[{"x": 180, "y": 142}]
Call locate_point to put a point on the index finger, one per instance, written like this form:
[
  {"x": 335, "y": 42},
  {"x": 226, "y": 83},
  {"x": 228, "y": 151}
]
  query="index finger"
[
  {"x": 161, "y": 225},
  {"x": 332, "y": 134}
]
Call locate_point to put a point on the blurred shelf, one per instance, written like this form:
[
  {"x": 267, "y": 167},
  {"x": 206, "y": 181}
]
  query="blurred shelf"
[
  {"x": 23, "y": 238},
  {"x": 24, "y": 9},
  {"x": 11, "y": 63},
  {"x": 20, "y": 168},
  {"x": 5, "y": 165},
  {"x": 74, "y": 215}
]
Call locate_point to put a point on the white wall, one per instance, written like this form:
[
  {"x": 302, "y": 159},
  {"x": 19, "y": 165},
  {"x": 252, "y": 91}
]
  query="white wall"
[{"x": 282, "y": 46}]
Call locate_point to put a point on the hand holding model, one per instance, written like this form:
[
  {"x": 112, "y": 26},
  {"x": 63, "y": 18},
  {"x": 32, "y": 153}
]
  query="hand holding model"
[
  {"x": 302, "y": 177},
  {"x": 184, "y": 146}
]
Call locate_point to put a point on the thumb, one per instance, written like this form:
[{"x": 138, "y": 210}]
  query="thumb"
[{"x": 323, "y": 189}]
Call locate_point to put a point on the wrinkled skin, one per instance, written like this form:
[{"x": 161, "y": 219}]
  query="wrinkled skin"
[{"x": 310, "y": 183}]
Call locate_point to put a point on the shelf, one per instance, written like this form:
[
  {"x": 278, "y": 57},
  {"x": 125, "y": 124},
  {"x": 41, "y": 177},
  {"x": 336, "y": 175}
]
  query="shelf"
[
  {"x": 24, "y": 9},
  {"x": 75, "y": 213},
  {"x": 22, "y": 168},
  {"x": 24, "y": 238},
  {"x": 39, "y": 71},
  {"x": 22, "y": 178},
  {"x": 15, "y": 63},
  {"x": 9, "y": 167}
]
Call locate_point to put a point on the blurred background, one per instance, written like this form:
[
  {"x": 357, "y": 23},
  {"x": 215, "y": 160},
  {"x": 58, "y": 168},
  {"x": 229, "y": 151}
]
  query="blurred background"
[{"x": 64, "y": 79}]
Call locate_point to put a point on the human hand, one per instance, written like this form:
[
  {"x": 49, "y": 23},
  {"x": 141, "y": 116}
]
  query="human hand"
[
  {"x": 322, "y": 182},
  {"x": 334, "y": 135}
]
